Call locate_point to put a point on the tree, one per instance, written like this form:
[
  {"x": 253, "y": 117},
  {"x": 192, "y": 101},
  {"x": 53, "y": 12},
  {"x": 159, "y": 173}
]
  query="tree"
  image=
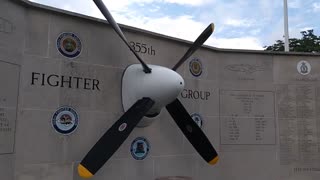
[{"x": 308, "y": 43}]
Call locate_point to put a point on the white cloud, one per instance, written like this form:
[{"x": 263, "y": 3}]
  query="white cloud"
[
  {"x": 306, "y": 28},
  {"x": 189, "y": 2},
  {"x": 238, "y": 22},
  {"x": 155, "y": 9},
  {"x": 267, "y": 8},
  {"x": 245, "y": 21},
  {"x": 237, "y": 43},
  {"x": 294, "y": 4},
  {"x": 183, "y": 26},
  {"x": 255, "y": 31},
  {"x": 316, "y": 7}
]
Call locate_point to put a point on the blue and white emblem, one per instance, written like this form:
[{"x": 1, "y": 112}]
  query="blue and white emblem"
[
  {"x": 140, "y": 148},
  {"x": 197, "y": 119},
  {"x": 65, "y": 120},
  {"x": 69, "y": 44},
  {"x": 195, "y": 67},
  {"x": 304, "y": 67}
]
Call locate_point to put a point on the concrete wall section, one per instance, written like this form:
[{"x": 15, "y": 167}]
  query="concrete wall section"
[
  {"x": 260, "y": 110},
  {"x": 12, "y": 29}
]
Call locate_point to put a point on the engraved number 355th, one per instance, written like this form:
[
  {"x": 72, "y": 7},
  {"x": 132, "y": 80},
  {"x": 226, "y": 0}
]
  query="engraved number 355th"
[
  {"x": 142, "y": 48},
  {"x": 139, "y": 47}
]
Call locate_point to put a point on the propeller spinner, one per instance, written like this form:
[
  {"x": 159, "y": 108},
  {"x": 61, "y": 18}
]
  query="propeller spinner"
[
  {"x": 146, "y": 90},
  {"x": 163, "y": 86}
]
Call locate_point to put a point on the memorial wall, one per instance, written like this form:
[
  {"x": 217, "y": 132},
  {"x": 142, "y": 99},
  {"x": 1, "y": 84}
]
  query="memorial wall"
[{"x": 60, "y": 76}]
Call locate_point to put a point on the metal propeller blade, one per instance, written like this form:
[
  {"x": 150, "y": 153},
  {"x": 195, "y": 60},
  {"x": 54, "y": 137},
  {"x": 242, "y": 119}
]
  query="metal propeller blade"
[
  {"x": 115, "y": 26},
  {"x": 192, "y": 132},
  {"x": 197, "y": 43},
  {"x": 113, "y": 138}
]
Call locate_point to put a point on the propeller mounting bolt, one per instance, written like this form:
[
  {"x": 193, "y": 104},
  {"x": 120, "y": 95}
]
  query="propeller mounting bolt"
[{"x": 122, "y": 127}]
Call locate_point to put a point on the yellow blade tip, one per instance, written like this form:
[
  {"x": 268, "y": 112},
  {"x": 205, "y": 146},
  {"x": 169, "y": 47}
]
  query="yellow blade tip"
[
  {"x": 214, "y": 160},
  {"x": 84, "y": 172}
]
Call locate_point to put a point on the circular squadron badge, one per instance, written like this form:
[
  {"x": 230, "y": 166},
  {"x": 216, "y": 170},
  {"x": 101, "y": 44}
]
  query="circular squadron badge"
[
  {"x": 197, "y": 119},
  {"x": 69, "y": 45},
  {"x": 140, "y": 148},
  {"x": 304, "y": 67},
  {"x": 65, "y": 120},
  {"x": 195, "y": 67}
]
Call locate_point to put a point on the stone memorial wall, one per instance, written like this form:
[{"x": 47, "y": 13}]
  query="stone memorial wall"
[{"x": 259, "y": 109}]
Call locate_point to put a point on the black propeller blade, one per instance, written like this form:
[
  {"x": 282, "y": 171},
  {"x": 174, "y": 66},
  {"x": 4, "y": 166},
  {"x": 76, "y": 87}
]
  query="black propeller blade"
[
  {"x": 115, "y": 26},
  {"x": 120, "y": 130},
  {"x": 113, "y": 138},
  {"x": 198, "y": 42},
  {"x": 192, "y": 132}
]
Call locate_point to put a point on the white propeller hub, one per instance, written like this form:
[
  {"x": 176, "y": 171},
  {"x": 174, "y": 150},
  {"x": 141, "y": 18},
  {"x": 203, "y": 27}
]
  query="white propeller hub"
[{"x": 162, "y": 85}]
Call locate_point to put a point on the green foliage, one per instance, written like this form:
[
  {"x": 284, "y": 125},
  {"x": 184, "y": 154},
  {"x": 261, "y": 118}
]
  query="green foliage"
[{"x": 308, "y": 43}]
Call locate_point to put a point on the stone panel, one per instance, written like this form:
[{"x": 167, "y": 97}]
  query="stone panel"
[
  {"x": 113, "y": 169},
  {"x": 200, "y": 96},
  {"x": 7, "y": 166},
  {"x": 37, "y": 32},
  {"x": 286, "y": 70},
  {"x": 34, "y": 89},
  {"x": 7, "y": 129},
  {"x": 244, "y": 70},
  {"x": 45, "y": 172},
  {"x": 60, "y": 24},
  {"x": 9, "y": 80},
  {"x": 137, "y": 170},
  {"x": 247, "y": 117},
  {"x": 296, "y": 101},
  {"x": 248, "y": 103},
  {"x": 175, "y": 166},
  {"x": 164, "y": 136},
  {"x": 12, "y": 26},
  {"x": 237, "y": 165},
  {"x": 38, "y": 142},
  {"x": 92, "y": 87},
  {"x": 208, "y": 60},
  {"x": 106, "y": 48},
  {"x": 260, "y": 110}
]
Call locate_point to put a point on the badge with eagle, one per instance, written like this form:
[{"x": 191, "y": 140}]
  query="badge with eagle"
[{"x": 65, "y": 120}]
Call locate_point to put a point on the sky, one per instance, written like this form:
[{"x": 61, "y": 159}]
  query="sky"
[{"x": 239, "y": 24}]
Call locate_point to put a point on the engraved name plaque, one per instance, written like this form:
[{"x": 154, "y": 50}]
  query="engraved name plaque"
[
  {"x": 247, "y": 117},
  {"x": 9, "y": 80},
  {"x": 298, "y": 126}
]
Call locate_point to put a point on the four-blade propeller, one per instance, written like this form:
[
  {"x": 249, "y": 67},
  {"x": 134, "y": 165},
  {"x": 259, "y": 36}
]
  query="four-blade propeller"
[{"x": 120, "y": 130}]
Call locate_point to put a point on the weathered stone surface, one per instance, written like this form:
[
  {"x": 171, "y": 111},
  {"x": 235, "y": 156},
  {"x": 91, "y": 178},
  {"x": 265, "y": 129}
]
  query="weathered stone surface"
[
  {"x": 37, "y": 31},
  {"x": 175, "y": 166},
  {"x": 113, "y": 169},
  {"x": 45, "y": 172},
  {"x": 286, "y": 70},
  {"x": 9, "y": 80},
  {"x": 200, "y": 97},
  {"x": 245, "y": 71},
  {"x": 33, "y": 93},
  {"x": 260, "y": 110},
  {"x": 7, "y": 166},
  {"x": 12, "y": 31}
]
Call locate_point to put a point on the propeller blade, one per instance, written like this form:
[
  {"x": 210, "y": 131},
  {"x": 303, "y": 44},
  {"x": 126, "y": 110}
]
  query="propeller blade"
[
  {"x": 192, "y": 132},
  {"x": 113, "y": 138},
  {"x": 115, "y": 26},
  {"x": 198, "y": 42}
]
